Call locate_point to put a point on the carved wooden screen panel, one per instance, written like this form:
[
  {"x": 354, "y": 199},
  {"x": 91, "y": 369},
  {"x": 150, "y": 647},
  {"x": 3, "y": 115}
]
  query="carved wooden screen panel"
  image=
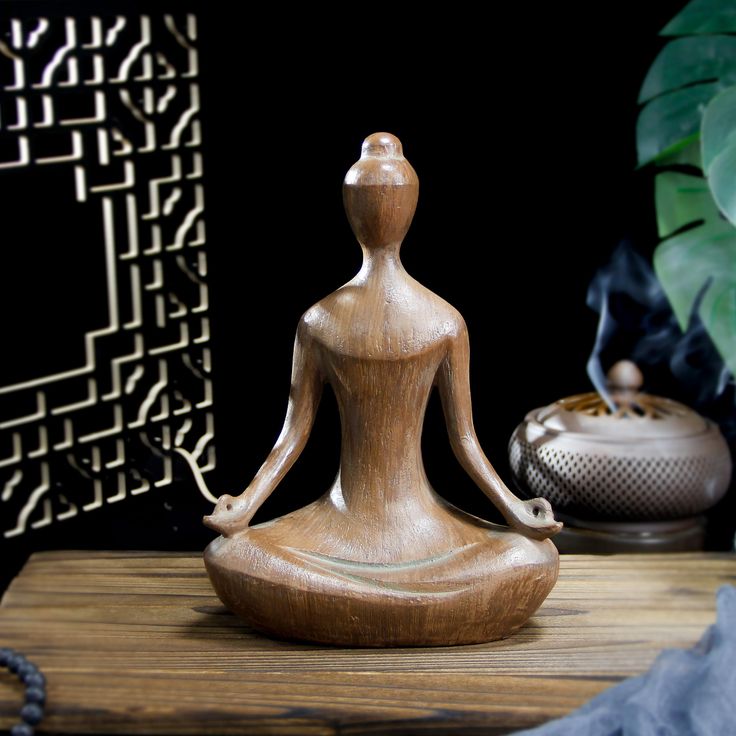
[{"x": 100, "y": 129}]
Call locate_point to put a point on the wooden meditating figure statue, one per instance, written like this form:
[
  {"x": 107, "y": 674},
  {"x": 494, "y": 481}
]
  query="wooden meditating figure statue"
[{"x": 380, "y": 559}]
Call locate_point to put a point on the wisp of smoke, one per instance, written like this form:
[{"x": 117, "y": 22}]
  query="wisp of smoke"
[{"x": 637, "y": 323}]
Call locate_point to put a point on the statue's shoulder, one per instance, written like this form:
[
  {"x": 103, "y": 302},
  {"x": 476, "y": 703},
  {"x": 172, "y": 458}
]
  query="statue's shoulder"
[
  {"x": 392, "y": 324},
  {"x": 446, "y": 318}
]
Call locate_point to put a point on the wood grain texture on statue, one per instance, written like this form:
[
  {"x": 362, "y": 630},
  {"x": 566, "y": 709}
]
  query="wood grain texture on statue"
[{"x": 381, "y": 559}]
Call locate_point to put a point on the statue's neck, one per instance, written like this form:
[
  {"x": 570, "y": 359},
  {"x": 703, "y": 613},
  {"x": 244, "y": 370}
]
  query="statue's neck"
[{"x": 382, "y": 263}]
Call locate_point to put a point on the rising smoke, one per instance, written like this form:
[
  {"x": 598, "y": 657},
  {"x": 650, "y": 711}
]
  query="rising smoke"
[{"x": 636, "y": 322}]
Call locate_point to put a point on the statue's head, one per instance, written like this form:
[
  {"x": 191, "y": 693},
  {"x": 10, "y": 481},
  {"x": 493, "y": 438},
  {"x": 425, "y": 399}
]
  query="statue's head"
[{"x": 380, "y": 193}]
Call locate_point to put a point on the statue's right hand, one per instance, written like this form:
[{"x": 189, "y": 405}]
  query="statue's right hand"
[{"x": 231, "y": 514}]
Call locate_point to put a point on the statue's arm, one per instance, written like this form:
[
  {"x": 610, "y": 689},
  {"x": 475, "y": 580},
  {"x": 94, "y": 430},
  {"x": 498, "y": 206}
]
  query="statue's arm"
[
  {"x": 233, "y": 513},
  {"x": 533, "y": 518}
]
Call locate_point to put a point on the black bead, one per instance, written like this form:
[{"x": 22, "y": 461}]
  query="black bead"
[
  {"x": 31, "y": 713},
  {"x": 35, "y": 680},
  {"x": 15, "y": 661},
  {"x": 27, "y": 669},
  {"x": 5, "y": 653},
  {"x": 21, "y": 729},
  {"x": 36, "y": 695}
]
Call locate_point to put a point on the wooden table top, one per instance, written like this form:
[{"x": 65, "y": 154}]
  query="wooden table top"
[{"x": 137, "y": 642}]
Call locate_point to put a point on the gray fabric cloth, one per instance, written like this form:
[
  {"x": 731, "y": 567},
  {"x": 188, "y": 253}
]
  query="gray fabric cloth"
[{"x": 691, "y": 691}]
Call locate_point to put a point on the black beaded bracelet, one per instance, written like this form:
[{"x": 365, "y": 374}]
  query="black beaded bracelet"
[{"x": 28, "y": 673}]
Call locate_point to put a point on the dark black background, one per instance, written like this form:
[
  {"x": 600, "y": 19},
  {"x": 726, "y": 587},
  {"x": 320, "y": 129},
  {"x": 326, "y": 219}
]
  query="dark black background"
[{"x": 521, "y": 129}]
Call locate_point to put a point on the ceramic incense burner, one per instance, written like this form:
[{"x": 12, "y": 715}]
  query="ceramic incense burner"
[
  {"x": 643, "y": 459},
  {"x": 381, "y": 559}
]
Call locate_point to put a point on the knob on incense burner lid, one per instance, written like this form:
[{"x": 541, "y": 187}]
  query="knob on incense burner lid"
[
  {"x": 625, "y": 375},
  {"x": 380, "y": 559}
]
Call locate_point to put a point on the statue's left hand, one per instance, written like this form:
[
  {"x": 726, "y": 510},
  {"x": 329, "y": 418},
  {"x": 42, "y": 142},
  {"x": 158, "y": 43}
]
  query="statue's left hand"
[
  {"x": 232, "y": 514},
  {"x": 533, "y": 518}
]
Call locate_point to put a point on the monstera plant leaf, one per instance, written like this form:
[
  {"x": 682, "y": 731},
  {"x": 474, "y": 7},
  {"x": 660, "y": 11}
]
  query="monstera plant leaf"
[
  {"x": 697, "y": 266},
  {"x": 689, "y": 119},
  {"x": 683, "y": 79},
  {"x": 718, "y": 136},
  {"x": 703, "y": 16}
]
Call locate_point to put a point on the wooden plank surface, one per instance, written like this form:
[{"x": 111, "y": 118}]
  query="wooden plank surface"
[{"x": 136, "y": 642}]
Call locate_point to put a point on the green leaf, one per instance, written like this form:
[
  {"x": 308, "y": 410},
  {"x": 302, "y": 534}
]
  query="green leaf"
[
  {"x": 689, "y": 60},
  {"x": 718, "y": 314},
  {"x": 684, "y": 263},
  {"x": 688, "y": 155},
  {"x": 702, "y": 261},
  {"x": 718, "y": 135},
  {"x": 670, "y": 122},
  {"x": 703, "y": 16},
  {"x": 681, "y": 200},
  {"x": 718, "y": 128},
  {"x": 722, "y": 181}
]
